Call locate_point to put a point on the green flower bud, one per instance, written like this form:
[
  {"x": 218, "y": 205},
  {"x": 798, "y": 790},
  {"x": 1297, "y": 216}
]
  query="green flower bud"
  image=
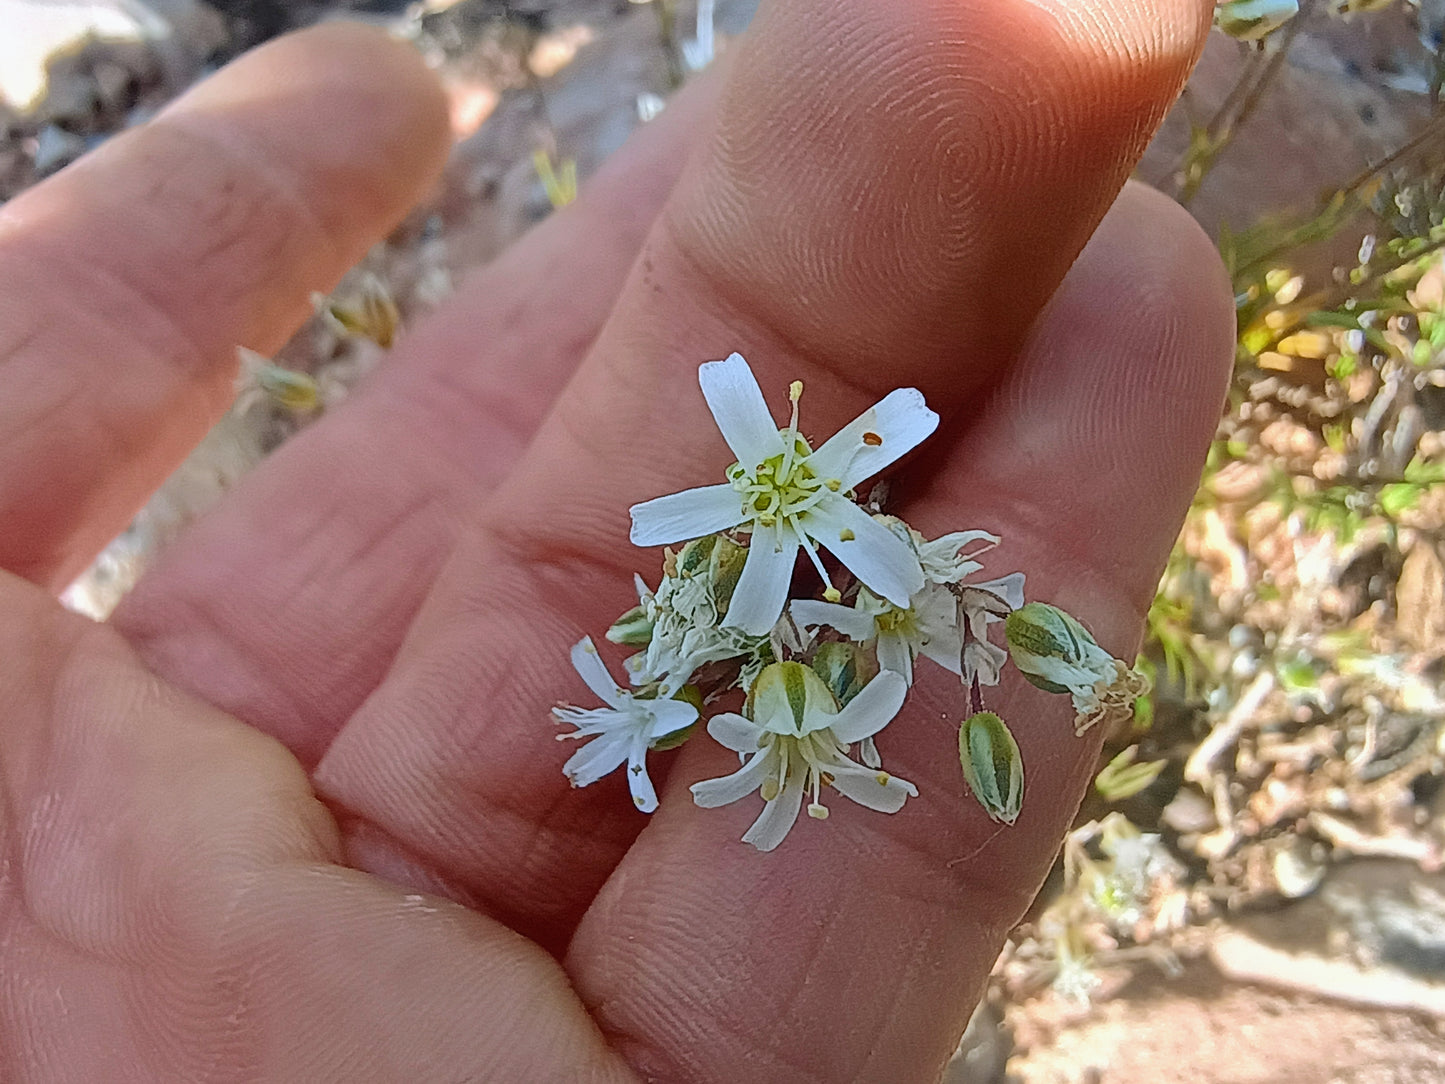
[
  {"x": 295, "y": 391},
  {"x": 992, "y": 766},
  {"x": 845, "y": 668},
  {"x": 1057, "y": 654},
  {"x": 632, "y": 629},
  {"x": 1053, "y": 651},
  {"x": 693, "y": 558},
  {"x": 725, "y": 566},
  {"x": 1250, "y": 20}
]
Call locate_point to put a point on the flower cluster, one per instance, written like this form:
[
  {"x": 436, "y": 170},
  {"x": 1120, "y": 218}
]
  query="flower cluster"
[{"x": 819, "y": 677}]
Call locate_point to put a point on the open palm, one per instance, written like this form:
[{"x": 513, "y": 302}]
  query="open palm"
[{"x": 297, "y": 812}]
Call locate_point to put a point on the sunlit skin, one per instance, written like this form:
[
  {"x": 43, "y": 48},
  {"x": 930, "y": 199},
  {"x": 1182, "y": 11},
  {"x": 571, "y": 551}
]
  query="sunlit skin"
[{"x": 298, "y": 812}]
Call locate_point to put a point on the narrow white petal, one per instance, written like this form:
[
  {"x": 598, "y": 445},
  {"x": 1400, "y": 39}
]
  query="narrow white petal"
[
  {"x": 599, "y": 757},
  {"x": 725, "y": 790},
  {"x": 644, "y": 593},
  {"x": 692, "y": 513},
  {"x": 644, "y": 797},
  {"x": 854, "y": 624},
  {"x": 1010, "y": 588},
  {"x": 732, "y": 731},
  {"x": 874, "y": 789},
  {"x": 945, "y": 548},
  {"x": 872, "y": 709},
  {"x": 894, "y": 654},
  {"x": 868, "y": 753},
  {"x": 900, "y": 423},
  {"x": 884, "y": 562},
  {"x": 737, "y": 405},
  {"x": 590, "y": 669},
  {"x": 778, "y": 816},
  {"x": 762, "y": 589}
]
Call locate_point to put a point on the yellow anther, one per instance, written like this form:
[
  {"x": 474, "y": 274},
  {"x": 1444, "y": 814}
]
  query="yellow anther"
[
  {"x": 832, "y": 594},
  {"x": 846, "y": 535},
  {"x": 834, "y": 484},
  {"x": 795, "y": 390},
  {"x": 817, "y": 811},
  {"x": 882, "y": 778}
]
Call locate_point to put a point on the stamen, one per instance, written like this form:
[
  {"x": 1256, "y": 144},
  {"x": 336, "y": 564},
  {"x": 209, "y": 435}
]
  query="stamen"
[
  {"x": 872, "y": 439},
  {"x": 790, "y": 438},
  {"x": 818, "y": 811}
]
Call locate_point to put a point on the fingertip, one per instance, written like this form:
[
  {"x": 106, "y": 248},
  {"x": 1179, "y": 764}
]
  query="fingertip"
[{"x": 375, "y": 116}]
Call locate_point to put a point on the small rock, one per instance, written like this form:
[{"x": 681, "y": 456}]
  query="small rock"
[
  {"x": 983, "y": 1052},
  {"x": 1373, "y": 934},
  {"x": 55, "y": 148},
  {"x": 1189, "y": 812}
]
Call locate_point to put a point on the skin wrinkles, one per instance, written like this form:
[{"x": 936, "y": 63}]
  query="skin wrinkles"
[
  {"x": 346, "y": 961},
  {"x": 175, "y": 195}
]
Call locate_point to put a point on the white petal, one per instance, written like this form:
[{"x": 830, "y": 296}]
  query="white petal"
[
  {"x": 945, "y": 548},
  {"x": 778, "y": 816},
  {"x": 692, "y": 513},
  {"x": 902, "y": 421},
  {"x": 737, "y": 405},
  {"x": 863, "y": 786},
  {"x": 590, "y": 669},
  {"x": 711, "y": 793},
  {"x": 854, "y": 624},
  {"x": 732, "y": 731},
  {"x": 945, "y": 650},
  {"x": 868, "y": 753},
  {"x": 894, "y": 655},
  {"x": 668, "y": 717},
  {"x": 984, "y": 661},
  {"x": 587, "y": 720},
  {"x": 884, "y": 562},
  {"x": 872, "y": 709},
  {"x": 600, "y": 756},
  {"x": 1010, "y": 588},
  {"x": 762, "y": 589},
  {"x": 644, "y": 797},
  {"x": 644, "y": 593}
]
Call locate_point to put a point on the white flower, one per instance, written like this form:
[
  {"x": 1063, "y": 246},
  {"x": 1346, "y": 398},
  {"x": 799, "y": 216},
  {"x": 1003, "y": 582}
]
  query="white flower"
[
  {"x": 622, "y": 731},
  {"x": 790, "y": 496},
  {"x": 930, "y": 624},
  {"x": 797, "y": 740}
]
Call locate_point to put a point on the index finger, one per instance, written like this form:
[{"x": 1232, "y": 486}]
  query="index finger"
[{"x": 130, "y": 277}]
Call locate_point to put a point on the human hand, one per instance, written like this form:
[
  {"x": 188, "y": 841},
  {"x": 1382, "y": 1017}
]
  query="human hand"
[{"x": 297, "y": 812}]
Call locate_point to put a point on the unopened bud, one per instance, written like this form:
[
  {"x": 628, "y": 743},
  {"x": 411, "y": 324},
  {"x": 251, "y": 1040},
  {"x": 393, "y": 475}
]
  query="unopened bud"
[
  {"x": 1052, "y": 650},
  {"x": 632, "y": 629},
  {"x": 1250, "y": 20},
  {"x": 845, "y": 668},
  {"x": 992, "y": 766}
]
